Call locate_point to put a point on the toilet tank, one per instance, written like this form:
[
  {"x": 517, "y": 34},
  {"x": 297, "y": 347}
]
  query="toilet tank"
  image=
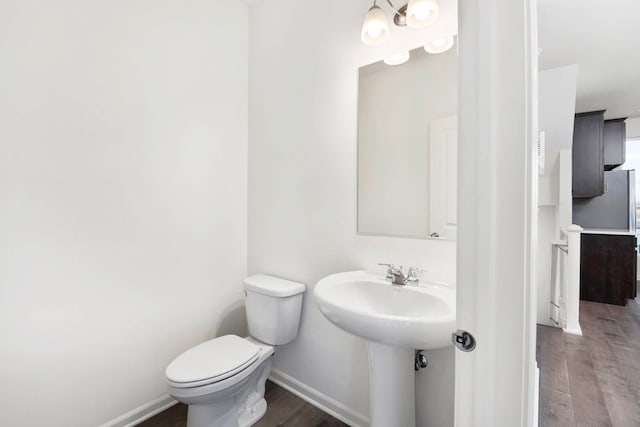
[{"x": 273, "y": 308}]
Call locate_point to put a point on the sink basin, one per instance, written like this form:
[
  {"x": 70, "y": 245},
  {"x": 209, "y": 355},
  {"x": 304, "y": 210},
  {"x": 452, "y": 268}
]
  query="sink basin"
[
  {"x": 412, "y": 316},
  {"x": 395, "y": 320}
]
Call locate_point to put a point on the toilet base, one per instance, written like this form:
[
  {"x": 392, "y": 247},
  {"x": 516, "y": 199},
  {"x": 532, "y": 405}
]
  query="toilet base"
[
  {"x": 251, "y": 416},
  {"x": 240, "y": 405}
]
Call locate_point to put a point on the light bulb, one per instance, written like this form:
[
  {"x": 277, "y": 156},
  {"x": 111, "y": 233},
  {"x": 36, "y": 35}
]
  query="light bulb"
[
  {"x": 440, "y": 45},
  {"x": 397, "y": 58},
  {"x": 375, "y": 28},
  {"x": 374, "y": 32},
  {"x": 421, "y": 13}
]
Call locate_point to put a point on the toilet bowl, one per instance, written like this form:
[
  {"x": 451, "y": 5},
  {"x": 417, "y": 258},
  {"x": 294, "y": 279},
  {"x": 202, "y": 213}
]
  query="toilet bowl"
[{"x": 223, "y": 379}]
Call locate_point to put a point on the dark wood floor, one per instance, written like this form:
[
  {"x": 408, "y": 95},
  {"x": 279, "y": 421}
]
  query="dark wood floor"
[
  {"x": 593, "y": 380},
  {"x": 284, "y": 409}
]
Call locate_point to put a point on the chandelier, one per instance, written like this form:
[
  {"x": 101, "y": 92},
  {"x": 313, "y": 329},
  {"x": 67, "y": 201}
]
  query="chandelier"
[{"x": 415, "y": 14}]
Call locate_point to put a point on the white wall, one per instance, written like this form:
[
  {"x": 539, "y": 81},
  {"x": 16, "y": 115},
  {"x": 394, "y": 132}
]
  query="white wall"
[
  {"x": 302, "y": 188},
  {"x": 557, "y": 91},
  {"x": 557, "y": 95},
  {"x": 633, "y": 127},
  {"x": 123, "y": 150}
]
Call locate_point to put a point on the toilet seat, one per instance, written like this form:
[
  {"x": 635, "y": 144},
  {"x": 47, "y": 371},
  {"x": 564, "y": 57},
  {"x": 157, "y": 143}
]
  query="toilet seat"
[{"x": 212, "y": 361}]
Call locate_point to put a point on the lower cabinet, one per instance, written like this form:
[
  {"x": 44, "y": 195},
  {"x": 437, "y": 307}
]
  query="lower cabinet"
[{"x": 608, "y": 268}]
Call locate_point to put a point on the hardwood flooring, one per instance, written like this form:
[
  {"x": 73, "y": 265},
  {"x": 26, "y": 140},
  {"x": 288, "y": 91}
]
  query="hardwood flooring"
[
  {"x": 593, "y": 380},
  {"x": 284, "y": 409}
]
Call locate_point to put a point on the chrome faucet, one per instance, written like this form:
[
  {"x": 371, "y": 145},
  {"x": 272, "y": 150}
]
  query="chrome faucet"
[{"x": 397, "y": 276}]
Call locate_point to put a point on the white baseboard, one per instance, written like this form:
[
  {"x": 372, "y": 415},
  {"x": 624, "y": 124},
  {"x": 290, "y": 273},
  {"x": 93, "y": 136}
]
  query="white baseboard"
[
  {"x": 576, "y": 331},
  {"x": 536, "y": 397},
  {"x": 319, "y": 400},
  {"x": 547, "y": 322},
  {"x": 303, "y": 391},
  {"x": 141, "y": 413}
]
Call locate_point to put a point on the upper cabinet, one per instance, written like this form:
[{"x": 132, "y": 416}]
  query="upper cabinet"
[
  {"x": 588, "y": 154},
  {"x": 615, "y": 137}
]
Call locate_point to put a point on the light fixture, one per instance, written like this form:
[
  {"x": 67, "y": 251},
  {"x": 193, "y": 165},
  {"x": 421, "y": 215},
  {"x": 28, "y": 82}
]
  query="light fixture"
[
  {"x": 439, "y": 45},
  {"x": 375, "y": 28},
  {"x": 415, "y": 14},
  {"x": 397, "y": 58},
  {"x": 421, "y": 13}
]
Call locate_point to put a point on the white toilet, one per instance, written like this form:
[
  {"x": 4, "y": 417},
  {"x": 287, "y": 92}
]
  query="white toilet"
[{"x": 222, "y": 380}]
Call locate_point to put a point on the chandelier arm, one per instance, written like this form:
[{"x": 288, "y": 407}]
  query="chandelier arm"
[{"x": 394, "y": 8}]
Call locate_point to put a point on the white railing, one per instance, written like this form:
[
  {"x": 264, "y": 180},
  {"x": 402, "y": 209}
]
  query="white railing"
[
  {"x": 558, "y": 282},
  {"x": 564, "y": 304}
]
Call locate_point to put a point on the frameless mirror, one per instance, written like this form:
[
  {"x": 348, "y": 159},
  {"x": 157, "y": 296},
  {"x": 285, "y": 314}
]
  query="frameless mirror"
[{"x": 407, "y": 146}]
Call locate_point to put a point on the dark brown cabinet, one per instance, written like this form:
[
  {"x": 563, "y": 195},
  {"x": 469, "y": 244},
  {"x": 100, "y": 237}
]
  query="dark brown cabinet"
[
  {"x": 588, "y": 154},
  {"x": 608, "y": 268},
  {"x": 615, "y": 142}
]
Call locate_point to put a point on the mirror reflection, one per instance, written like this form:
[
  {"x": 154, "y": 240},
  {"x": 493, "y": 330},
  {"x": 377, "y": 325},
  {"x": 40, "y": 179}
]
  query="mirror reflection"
[{"x": 407, "y": 140}]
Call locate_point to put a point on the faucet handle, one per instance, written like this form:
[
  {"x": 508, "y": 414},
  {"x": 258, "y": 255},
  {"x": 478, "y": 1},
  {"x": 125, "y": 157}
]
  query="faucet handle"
[
  {"x": 390, "y": 269},
  {"x": 414, "y": 274}
]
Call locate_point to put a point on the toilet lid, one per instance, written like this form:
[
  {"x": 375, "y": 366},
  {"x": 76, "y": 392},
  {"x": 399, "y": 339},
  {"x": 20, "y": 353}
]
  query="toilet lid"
[{"x": 213, "y": 361}]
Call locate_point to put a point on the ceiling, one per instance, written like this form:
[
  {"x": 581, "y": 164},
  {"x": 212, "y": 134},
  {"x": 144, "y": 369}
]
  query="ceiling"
[{"x": 603, "y": 38}]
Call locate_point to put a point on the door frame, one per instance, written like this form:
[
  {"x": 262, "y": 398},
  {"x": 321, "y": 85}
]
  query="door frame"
[{"x": 496, "y": 384}]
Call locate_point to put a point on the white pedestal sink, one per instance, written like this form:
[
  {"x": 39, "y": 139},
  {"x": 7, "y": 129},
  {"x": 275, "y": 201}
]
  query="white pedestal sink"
[{"x": 395, "y": 320}]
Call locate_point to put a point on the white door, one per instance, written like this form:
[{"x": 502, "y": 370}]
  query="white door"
[
  {"x": 495, "y": 383},
  {"x": 443, "y": 176}
]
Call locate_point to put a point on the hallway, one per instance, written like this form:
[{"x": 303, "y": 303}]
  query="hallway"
[{"x": 593, "y": 380}]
